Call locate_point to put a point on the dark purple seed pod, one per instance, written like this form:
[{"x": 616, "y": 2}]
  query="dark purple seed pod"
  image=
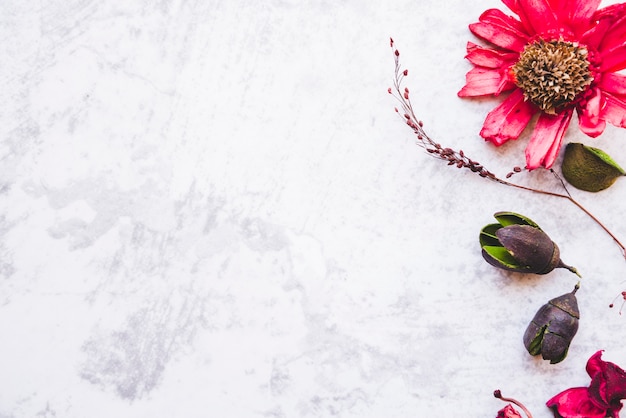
[
  {"x": 517, "y": 243},
  {"x": 554, "y": 326}
]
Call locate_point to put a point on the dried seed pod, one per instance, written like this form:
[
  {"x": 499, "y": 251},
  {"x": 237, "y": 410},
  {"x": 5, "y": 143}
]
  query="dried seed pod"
[
  {"x": 589, "y": 168},
  {"x": 554, "y": 326},
  {"x": 517, "y": 243}
]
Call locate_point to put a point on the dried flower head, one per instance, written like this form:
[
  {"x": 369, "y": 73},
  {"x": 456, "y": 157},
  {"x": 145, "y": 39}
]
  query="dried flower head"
[
  {"x": 560, "y": 56},
  {"x": 552, "y": 74}
]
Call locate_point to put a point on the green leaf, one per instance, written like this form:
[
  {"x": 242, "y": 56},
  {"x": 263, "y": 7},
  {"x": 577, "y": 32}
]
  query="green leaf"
[
  {"x": 503, "y": 256},
  {"x": 605, "y": 158},
  {"x": 488, "y": 235},
  {"x": 535, "y": 345},
  {"x": 512, "y": 218}
]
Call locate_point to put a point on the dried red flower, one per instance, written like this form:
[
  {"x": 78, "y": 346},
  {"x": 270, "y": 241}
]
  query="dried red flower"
[
  {"x": 560, "y": 56},
  {"x": 603, "y": 397},
  {"x": 508, "y": 412}
]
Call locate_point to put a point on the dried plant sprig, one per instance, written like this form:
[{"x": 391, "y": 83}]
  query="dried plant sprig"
[
  {"x": 623, "y": 296},
  {"x": 458, "y": 158}
]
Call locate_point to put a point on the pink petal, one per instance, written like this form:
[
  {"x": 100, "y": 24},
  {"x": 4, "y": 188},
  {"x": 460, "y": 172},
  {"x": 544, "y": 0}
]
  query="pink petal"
[
  {"x": 508, "y": 412},
  {"x": 513, "y": 5},
  {"x": 612, "y": 12},
  {"x": 501, "y": 30},
  {"x": 483, "y": 81},
  {"x": 595, "y": 364},
  {"x": 594, "y": 36},
  {"x": 539, "y": 15},
  {"x": 613, "y": 59},
  {"x": 578, "y": 13},
  {"x": 615, "y": 35},
  {"x": 614, "y": 110},
  {"x": 613, "y": 83},
  {"x": 608, "y": 382},
  {"x": 546, "y": 141},
  {"x": 508, "y": 120},
  {"x": 609, "y": 19},
  {"x": 589, "y": 119},
  {"x": 488, "y": 57},
  {"x": 575, "y": 403}
]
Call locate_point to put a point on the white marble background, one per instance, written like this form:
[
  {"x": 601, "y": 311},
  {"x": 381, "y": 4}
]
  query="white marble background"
[{"x": 210, "y": 209}]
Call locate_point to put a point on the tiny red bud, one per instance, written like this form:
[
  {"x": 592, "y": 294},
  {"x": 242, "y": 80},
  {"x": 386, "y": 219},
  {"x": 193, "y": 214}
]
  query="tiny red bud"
[
  {"x": 396, "y": 109},
  {"x": 389, "y": 90},
  {"x": 391, "y": 42},
  {"x": 406, "y": 95},
  {"x": 397, "y": 53},
  {"x": 405, "y": 72}
]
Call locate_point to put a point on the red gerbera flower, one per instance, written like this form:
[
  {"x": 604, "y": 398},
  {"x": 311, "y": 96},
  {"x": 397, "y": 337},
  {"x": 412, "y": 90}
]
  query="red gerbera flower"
[{"x": 559, "y": 56}]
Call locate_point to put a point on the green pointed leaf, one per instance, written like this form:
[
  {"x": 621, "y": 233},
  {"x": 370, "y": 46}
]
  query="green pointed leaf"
[
  {"x": 512, "y": 218},
  {"x": 535, "y": 345},
  {"x": 488, "y": 235},
  {"x": 503, "y": 256}
]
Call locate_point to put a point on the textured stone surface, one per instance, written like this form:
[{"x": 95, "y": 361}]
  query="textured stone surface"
[{"x": 210, "y": 209}]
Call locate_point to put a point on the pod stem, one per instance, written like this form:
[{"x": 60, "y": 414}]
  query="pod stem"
[
  {"x": 570, "y": 268},
  {"x": 498, "y": 395}
]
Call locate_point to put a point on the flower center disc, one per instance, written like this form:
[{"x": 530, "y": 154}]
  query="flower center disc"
[{"x": 552, "y": 74}]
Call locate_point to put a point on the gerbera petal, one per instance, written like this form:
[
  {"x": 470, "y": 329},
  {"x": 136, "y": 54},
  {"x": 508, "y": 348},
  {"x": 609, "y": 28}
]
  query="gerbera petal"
[
  {"x": 546, "y": 140},
  {"x": 512, "y": 4},
  {"x": 589, "y": 119},
  {"x": 605, "y": 18},
  {"x": 484, "y": 81},
  {"x": 613, "y": 59},
  {"x": 613, "y": 83},
  {"x": 575, "y": 402},
  {"x": 614, "y": 110},
  {"x": 614, "y": 35},
  {"x": 612, "y": 12},
  {"x": 594, "y": 36},
  {"x": 539, "y": 15},
  {"x": 488, "y": 57},
  {"x": 579, "y": 13},
  {"x": 501, "y": 30},
  {"x": 508, "y": 120}
]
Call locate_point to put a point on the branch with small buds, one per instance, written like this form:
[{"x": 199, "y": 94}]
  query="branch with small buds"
[{"x": 458, "y": 158}]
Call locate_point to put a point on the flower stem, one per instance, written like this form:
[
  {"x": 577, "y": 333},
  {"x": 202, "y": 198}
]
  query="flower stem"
[
  {"x": 498, "y": 395},
  {"x": 571, "y": 199}
]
